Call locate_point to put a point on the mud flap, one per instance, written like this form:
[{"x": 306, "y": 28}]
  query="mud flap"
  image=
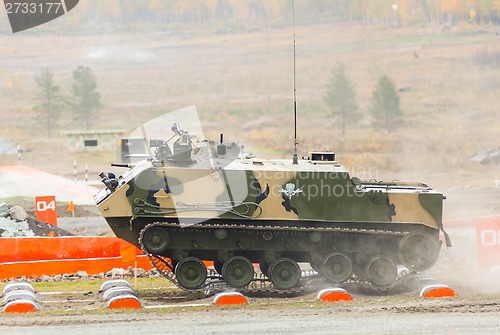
[{"x": 447, "y": 238}]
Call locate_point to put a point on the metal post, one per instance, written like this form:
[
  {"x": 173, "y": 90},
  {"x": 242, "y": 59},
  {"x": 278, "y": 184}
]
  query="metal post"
[
  {"x": 74, "y": 168},
  {"x": 395, "y": 15},
  {"x": 295, "y": 159},
  {"x": 18, "y": 154},
  {"x": 86, "y": 175}
]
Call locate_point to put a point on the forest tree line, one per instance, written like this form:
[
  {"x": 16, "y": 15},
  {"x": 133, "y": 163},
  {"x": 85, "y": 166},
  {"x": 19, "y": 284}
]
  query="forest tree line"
[{"x": 251, "y": 12}]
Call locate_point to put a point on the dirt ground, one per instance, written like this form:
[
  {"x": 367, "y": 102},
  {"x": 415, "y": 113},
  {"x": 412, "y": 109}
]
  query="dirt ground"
[
  {"x": 475, "y": 309},
  {"x": 404, "y": 313},
  {"x": 224, "y": 76}
]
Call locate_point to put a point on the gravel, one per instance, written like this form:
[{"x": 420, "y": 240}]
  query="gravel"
[{"x": 15, "y": 222}]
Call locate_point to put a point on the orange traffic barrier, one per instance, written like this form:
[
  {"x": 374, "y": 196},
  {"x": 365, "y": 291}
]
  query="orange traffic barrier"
[
  {"x": 125, "y": 301},
  {"x": 20, "y": 306},
  {"x": 333, "y": 295},
  {"x": 119, "y": 295},
  {"x": 437, "y": 291},
  {"x": 19, "y": 298},
  {"x": 229, "y": 298},
  {"x": 37, "y": 256},
  {"x": 92, "y": 266},
  {"x": 67, "y": 247}
]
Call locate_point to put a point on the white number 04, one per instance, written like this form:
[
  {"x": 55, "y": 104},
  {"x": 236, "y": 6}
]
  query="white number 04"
[{"x": 43, "y": 206}]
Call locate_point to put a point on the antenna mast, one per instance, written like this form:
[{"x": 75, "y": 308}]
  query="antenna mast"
[{"x": 295, "y": 159}]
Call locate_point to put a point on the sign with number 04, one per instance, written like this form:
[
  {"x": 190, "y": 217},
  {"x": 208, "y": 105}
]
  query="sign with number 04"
[{"x": 46, "y": 209}]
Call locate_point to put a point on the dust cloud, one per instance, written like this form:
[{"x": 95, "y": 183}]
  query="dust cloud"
[{"x": 460, "y": 266}]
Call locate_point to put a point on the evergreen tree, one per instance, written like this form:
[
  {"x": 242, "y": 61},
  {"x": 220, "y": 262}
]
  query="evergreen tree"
[
  {"x": 50, "y": 101},
  {"x": 385, "y": 107},
  {"x": 341, "y": 98},
  {"x": 86, "y": 99}
]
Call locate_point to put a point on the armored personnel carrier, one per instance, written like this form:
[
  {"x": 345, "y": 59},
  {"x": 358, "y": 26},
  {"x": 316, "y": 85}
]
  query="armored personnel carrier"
[{"x": 194, "y": 201}]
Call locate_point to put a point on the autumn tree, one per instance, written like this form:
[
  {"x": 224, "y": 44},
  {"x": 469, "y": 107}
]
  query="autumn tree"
[
  {"x": 251, "y": 12},
  {"x": 49, "y": 99},
  {"x": 385, "y": 107},
  {"x": 340, "y": 97},
  {"x": 86, "y": 99}
]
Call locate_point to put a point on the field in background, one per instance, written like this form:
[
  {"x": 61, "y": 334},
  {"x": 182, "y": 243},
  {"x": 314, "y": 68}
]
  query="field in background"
[{"x": 241, "y": 84}]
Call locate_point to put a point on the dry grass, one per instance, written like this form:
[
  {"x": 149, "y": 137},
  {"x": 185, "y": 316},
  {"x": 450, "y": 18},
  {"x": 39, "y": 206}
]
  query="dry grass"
[{"x": 242, "y": 86}]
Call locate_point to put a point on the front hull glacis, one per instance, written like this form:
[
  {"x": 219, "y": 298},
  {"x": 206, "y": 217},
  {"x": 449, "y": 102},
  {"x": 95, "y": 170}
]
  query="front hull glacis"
[{"x": 186, "y": 204}]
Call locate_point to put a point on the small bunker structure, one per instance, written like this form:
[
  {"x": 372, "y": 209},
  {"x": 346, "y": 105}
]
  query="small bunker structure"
[
  {"x": 93, "y": 140},
  {"x": 487, "y": 157}
]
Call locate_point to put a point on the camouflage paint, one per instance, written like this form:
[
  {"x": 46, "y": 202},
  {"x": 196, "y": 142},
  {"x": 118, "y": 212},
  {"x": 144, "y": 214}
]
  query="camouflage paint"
[{"x": 324, "y": 194}]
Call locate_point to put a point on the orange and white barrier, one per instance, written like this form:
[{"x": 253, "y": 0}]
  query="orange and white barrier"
[
  {"x": 333, "y": 295},
  {"x": 120, "y": 295},
  {"x": 124, "y": 302},
  {"x": 38, "y": 256},
  {"x": 229, "y": 298},
  {"x": 437, "y": 291},
  {"x": 92, "y": 266},
  {"x": 21, "y": 306},
  {"x": 19, "y": 298},
  {"x": 66, "y": 247}
]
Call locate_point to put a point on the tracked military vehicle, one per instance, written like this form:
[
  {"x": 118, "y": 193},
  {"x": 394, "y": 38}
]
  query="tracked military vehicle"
[{"x": 194, "y": 201}]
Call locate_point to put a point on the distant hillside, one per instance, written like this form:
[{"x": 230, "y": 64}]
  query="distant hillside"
[
  {"x": 228, "y": 16},
  {"x": 242, "y": 83}
]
